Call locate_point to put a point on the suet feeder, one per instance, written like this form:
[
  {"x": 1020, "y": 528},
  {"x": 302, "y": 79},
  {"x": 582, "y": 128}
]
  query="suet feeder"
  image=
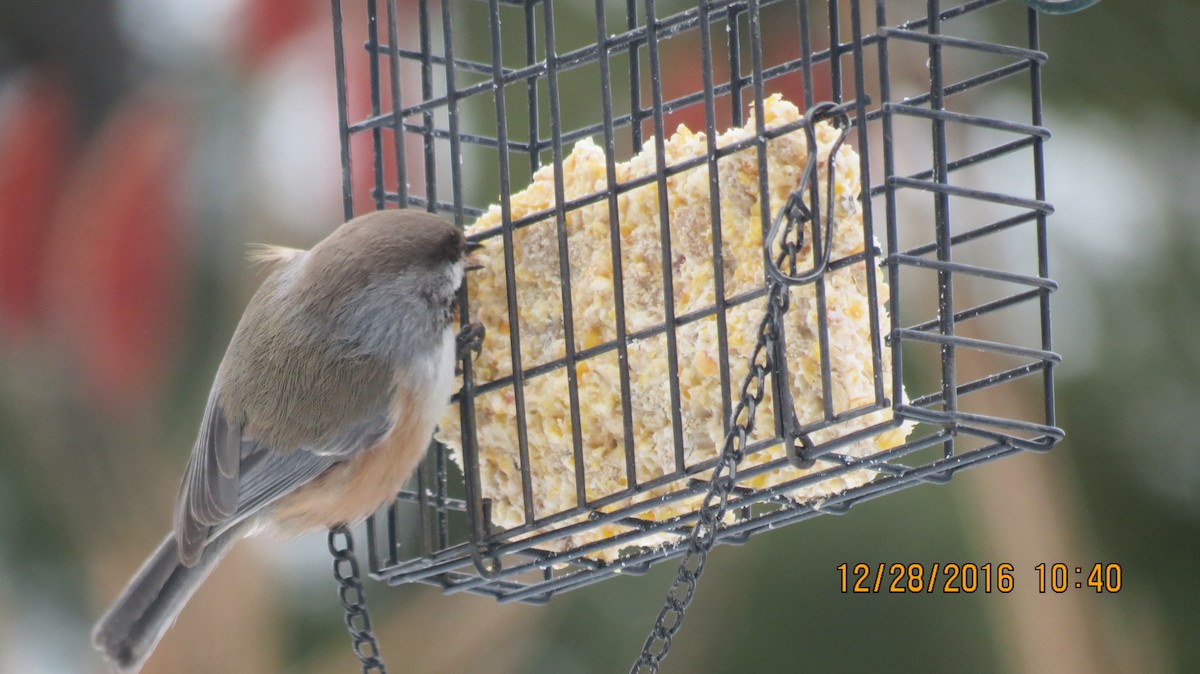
[{"x": 873, "y": 169}]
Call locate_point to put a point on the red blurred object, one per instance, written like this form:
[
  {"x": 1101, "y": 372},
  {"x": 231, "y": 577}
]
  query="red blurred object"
[
  {"x": 783, "y": 48},
  {"x": 117, "y": 263},
  {"x": 358, "y": 106},
  {"x": 358, "y": 98},
  {"x": 268, "y": 25},
  {"x": 36, "y": 136},
  {"x": 682, "y": 76}
]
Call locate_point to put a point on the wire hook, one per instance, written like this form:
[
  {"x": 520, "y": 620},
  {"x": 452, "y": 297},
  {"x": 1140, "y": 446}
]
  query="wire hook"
[{"x": 795, "y": 213}]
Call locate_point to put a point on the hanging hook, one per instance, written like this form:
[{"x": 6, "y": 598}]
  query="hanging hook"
[{"x": 795, "y": 213}]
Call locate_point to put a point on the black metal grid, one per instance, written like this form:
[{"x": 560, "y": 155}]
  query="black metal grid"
[{"x": 491, "y": 77}]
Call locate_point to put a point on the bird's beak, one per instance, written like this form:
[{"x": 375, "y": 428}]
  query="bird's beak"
[{"x": 469, "y": 261}]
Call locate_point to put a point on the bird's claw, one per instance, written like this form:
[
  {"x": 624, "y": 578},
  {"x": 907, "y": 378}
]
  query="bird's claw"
[{"x": 469, "y": 343}]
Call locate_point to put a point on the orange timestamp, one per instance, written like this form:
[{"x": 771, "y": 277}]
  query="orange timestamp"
[
  {"x": 948, "y": 578},
  {"x": 969, "y": 577},
  {"x": 1058, "y": 578}
]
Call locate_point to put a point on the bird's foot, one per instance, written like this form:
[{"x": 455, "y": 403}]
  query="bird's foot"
[{"x": 469, "y": 343}]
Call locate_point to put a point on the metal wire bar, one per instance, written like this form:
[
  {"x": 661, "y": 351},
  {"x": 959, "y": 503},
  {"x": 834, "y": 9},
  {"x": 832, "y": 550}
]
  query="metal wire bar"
[
  {"x": 1039, "y": 187},
  {"x": 564, "y": 255},
  {"x": 941, "y": 214},
  {"x": 720, "y": 305},
  {"x": 664, "y": 228},
  {"x": 339, "y": 67},
  {"x": 376, "y": 133},
  {"x": 870, "y": 267},
  {"x": 943, "y": 191},
  {"x": 614, "y": 237},
  {"x": 396, "y": 87}
]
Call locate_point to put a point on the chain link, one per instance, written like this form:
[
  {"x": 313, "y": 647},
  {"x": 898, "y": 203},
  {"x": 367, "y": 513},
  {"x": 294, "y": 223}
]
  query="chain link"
[
  {"x": 350, "y": 591},
  {"x": 751, "y": 393}
]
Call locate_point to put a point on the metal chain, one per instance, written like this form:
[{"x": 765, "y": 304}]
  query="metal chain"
[
  {"x": 754, "y": 386},
  {"x": 712, "y": 510},
  {"x": 350, "y": 590}
]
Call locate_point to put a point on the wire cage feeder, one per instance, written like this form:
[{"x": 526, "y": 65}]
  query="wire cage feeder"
[{"x": 939, "y": 112}]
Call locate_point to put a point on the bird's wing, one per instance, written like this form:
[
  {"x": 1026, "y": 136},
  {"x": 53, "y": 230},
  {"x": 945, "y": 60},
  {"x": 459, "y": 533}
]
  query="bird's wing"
[
  {"x": 268, "y": 475},
  {"x": 230, "y": 477},
  {"x": 208, "y": 494}
]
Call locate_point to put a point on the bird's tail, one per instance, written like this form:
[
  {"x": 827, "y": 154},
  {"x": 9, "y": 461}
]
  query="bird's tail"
[{"x": 149, "y": 604}]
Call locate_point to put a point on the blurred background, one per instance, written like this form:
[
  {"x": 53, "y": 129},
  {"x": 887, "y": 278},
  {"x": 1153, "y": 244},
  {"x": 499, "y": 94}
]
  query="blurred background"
[{"x": 143, "y": 143}]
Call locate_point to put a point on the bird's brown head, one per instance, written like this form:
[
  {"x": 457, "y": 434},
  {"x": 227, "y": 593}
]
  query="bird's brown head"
[
  {"x": 405, "y": 265},
  {"x": 390, "y": 242}
]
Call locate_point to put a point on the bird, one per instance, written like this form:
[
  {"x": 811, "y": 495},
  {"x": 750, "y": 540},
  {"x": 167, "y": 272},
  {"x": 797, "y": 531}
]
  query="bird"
[{"x": 321, "y": 409}]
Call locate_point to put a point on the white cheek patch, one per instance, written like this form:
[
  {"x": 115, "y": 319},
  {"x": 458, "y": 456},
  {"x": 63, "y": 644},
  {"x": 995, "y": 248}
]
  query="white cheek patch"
[{"x": 456, "y": 275}]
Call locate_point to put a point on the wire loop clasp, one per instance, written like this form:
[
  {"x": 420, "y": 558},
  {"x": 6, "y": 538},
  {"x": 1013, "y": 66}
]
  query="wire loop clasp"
[
  {"x": 795, "y": 213},
  {"x": 791, "y": 218}
]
